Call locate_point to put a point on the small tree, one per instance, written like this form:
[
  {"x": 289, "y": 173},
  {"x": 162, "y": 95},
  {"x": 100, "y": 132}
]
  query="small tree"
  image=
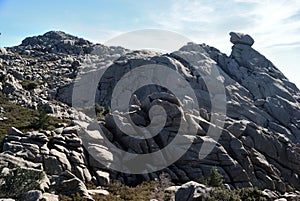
[
  {"x": 29, "y": 85},
  {"x": 42, "y": 121},
  {"x": 162, "y": 183},
  {"x": 215, "y": 179}
]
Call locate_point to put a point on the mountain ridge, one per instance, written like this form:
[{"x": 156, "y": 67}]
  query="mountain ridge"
[{"x": 259, "y": 144}]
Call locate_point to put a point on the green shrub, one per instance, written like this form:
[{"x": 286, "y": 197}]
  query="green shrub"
[
  {"x": 18, "y": 182},
  {"x": 75, "y": 197},
  {"x": 42, "y": 119},
  {"x": 144, "y": 191},
  {"x": 215, "y": 179},
  {"x": 17, "y": 116},
  {"x": 29, "y": 85},
  {"x": 152, "y": 189},
  {"x": 163, "y": 182},
  {"x": 221, "y": 194},
  {"x": 251, "y": 194},
  {"x": 101, "y": 111},
  {"x": 97, "y": 110},
  {"x": 244, "y": 194},
  {"x": 202, "y": 180}
]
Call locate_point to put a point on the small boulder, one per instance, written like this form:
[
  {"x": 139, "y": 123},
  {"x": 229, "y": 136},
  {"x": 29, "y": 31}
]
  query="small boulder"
[
  {"x": 75, "y": 64},
  {"x": 102, "y": 178},
  {"x": 191, "y": 191},
  {"x": 33, "y": 195},
  {"x": 67, "y": 184},
  {"x": 3, "y": 50},
  {"x": 240, "y": 38},
  {"x": 50, "y": 197},
  {"x": 15, "y": 131},
  {"x": 98, "y": 192}
]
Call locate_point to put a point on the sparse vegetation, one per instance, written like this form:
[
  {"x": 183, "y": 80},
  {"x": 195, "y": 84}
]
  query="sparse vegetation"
[
  {"x": 120, "y": 192},
  {"x": 97, "y": 110},
  {"x": 154, "y": 189},
  {"x": 220, "y": 193},
  {"x": 162, "y": 183},
  {"x": 75, "y": 197},
  {"x": 23, "y": 118},
  {"x": 215, "y": 179},
  {"x": 244, "y": 194},
  {"x": 18, "y": 182},
  {"x": 101, "y": 111},
  {"x": 42, "y": 120},
  {"x": 29, "y": 85}
]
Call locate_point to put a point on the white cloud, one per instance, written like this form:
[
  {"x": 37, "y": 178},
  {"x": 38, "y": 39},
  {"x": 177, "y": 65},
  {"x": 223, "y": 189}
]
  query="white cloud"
[
  {"x": 93, "y": 33},
  {"x": 271, "y": 23}
]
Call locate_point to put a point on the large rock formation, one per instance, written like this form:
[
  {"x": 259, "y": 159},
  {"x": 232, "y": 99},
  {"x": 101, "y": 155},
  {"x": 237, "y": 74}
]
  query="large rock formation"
[{"x": 259, "y": 143}]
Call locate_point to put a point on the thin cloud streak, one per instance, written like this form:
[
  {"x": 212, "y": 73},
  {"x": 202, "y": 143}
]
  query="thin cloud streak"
[
  {"x": 272, "y": 24},
  {"x": 267, "y": 21}
]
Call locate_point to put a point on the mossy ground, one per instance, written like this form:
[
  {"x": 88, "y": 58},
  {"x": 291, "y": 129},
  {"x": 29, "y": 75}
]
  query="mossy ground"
[
  {"x": 120, "y": 192},
  {"x": 21, "y": 117}
]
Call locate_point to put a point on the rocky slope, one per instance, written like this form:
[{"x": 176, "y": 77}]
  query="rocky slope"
[{"x": 259, "y": 143}]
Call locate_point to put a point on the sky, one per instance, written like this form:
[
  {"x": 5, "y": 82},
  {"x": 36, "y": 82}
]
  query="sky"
[{"x": 274, "y": 24}]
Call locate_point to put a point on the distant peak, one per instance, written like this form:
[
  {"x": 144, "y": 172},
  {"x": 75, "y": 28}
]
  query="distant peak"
[
  {"x": 58, "y": 42},
  {"x": 58, "y": 34},
  {"x": 52, "y": 36}
]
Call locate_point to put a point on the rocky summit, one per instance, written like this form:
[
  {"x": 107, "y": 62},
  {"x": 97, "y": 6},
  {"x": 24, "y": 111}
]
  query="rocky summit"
[{"x": 243, "y": 97}]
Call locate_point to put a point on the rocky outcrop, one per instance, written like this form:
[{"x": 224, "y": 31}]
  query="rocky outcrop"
[
  {"x": 260, "y": 140},
  {"x": 51, "y": 62},
  {"x": 57, "y": 42},
  {"x": 68, "y": 184},
  {"x": 259, "y": 143},
  {"x": 55, "y": 153}
]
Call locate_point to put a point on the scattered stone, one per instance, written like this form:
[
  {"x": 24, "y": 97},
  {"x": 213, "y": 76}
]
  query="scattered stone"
[
  {"x": 3, "y": 50},
  {"x": 50, "y": 197},
  {"x": 98, "y": 191},
  {"x": 33, "y": 195},
  {"x": 102, "y": 178}
]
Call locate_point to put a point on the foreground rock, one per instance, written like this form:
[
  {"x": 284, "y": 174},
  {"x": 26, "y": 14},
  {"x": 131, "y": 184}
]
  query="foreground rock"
[
  {"x": 54, "y": 153},
  {"x": 191, "y": 191}
]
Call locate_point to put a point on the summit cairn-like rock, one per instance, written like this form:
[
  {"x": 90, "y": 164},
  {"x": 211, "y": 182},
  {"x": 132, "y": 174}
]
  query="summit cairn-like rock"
[{"x": 240, "y": 38}]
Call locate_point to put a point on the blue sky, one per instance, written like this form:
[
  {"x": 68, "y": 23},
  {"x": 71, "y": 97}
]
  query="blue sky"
[{"x": 275, "y": 25}]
